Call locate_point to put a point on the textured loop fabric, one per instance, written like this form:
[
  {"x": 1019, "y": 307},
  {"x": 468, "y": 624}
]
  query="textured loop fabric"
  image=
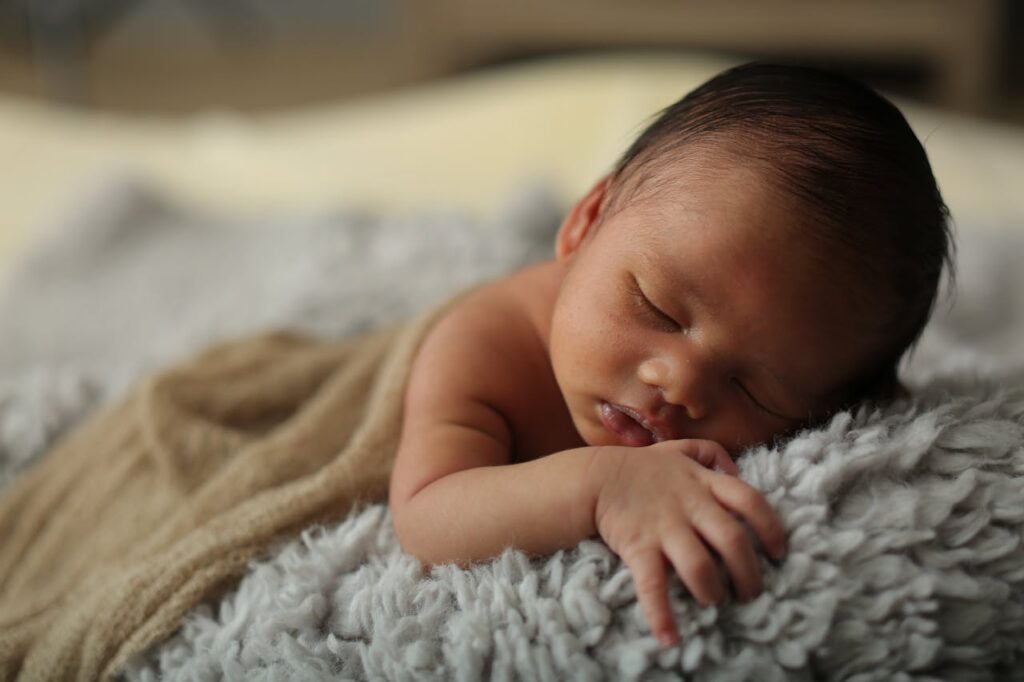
[{"x": 905, "y": 563}]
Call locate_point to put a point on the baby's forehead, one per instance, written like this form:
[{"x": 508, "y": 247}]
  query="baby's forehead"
[{"x": 760, "y": 226}]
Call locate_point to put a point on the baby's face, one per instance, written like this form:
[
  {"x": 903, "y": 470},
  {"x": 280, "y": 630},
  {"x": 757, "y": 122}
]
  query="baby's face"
[{"x": 696, "y": 313}]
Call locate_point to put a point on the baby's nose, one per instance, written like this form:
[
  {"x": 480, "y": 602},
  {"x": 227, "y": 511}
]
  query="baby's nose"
[{"x": 680, "y": 383}]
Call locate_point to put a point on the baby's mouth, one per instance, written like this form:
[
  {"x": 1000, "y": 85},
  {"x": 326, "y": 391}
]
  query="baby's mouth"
[{"x": 631, "y": 426}]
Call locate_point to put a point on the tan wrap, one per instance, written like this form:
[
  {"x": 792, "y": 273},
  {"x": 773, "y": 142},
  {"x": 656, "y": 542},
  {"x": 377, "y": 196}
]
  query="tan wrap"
[{"x": 160, "y": 502}]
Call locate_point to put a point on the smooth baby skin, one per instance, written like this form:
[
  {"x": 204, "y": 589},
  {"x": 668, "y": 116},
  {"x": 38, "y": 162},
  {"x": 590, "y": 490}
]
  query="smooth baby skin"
[{"x": 602, "y": 392}]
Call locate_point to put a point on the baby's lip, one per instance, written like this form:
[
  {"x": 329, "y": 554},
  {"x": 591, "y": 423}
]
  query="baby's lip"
[{"x": 661, "y": 429}]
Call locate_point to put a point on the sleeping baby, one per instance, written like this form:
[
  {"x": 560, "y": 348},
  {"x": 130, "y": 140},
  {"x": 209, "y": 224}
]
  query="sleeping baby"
[{"x": 762, "y": 256}]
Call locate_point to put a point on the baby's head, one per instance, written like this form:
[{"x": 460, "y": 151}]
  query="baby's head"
[{"x": 802, "y": 209}]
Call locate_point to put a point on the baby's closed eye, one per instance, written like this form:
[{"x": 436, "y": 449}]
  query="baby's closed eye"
[{"x": 650, "y": 309}]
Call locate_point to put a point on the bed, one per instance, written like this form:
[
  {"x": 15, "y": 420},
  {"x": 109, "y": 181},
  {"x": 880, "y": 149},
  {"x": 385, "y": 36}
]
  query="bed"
[{"x": 905, "y": 523}]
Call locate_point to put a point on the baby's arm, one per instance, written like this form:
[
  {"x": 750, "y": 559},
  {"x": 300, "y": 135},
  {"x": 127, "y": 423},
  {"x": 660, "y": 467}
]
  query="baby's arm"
[
  {"x": 455, "y": 493},
  {"x": 456, "y": 496}
]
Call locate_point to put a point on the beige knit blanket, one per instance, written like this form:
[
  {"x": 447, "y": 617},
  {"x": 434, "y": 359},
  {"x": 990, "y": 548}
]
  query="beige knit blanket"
[{"x": 161, "y": 501}]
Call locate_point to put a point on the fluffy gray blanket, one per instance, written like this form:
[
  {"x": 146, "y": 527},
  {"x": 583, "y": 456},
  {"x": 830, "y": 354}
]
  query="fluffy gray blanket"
[{"x": 905, "y": 524}]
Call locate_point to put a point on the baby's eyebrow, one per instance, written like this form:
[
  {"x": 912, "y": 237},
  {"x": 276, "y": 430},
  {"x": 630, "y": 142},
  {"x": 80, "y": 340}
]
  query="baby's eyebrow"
[{"x": 668, "y": 281}]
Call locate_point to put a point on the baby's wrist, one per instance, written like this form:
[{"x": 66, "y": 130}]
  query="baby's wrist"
[{"x": 604, "y": 464}]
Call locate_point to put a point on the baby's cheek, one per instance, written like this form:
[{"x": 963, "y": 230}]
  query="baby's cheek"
[{"x": 737, "y": 432}]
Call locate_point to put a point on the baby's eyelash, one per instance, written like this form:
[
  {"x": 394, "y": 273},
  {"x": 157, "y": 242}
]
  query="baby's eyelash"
[
  {"x": 646, "y": 303},
  {"x": 738, "y": 384},
  {"x": 754, "y": 400}
]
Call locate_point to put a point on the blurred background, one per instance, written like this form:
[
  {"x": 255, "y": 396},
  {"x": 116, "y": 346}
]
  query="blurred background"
[
  {"x": 377, "y": 154},
  {"x": 184, "y": 55},
  {"x": 396, "y": 103}
]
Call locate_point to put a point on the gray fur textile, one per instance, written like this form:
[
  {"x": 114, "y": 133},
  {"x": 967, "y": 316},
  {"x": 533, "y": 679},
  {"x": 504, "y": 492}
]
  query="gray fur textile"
[
  {"x": 905, "y": 523},
  {"x": 905, "y": 562}
]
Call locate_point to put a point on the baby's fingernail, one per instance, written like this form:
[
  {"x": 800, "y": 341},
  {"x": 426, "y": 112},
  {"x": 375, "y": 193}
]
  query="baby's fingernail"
[{"x": 667, "y": 639}]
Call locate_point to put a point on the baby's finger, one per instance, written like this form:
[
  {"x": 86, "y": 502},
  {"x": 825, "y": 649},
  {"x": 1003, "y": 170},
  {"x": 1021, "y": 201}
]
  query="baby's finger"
[
  {"x": 695, "y": 566},
  {"x": 720, "y": 458},
  {"x": 748, "y": 503},
  {"x": 710, "y": 455},
  {"x": 648, "y": 567},
  {"x": 729, "y": 539}
]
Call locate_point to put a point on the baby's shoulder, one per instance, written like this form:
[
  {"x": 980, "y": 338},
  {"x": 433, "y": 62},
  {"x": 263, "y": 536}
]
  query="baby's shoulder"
[
  {"x": 491, "y": 340},
  {"x": 485, "y": 365},
  {"x": 497, "y": 327}
]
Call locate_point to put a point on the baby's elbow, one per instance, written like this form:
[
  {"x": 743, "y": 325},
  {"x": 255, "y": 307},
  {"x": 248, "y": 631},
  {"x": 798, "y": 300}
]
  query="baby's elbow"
[
  {"x": 400, "y": 522},
  {"x": 418, "y": 536},
  {"x": 410, "y": 533}
]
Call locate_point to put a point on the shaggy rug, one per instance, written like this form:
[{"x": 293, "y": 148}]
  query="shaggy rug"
[{"x": 905, "y": 524}]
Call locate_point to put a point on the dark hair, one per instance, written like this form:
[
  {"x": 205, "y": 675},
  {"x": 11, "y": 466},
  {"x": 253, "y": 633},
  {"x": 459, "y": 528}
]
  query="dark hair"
[{"x": 859, "y": 175}]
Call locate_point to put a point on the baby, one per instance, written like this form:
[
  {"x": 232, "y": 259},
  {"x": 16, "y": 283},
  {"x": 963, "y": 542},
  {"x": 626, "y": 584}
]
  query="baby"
[{"x": 763, "y": 255}]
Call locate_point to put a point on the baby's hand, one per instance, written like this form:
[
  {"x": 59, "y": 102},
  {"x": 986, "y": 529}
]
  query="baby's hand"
[{"x": 667, "y": 501}]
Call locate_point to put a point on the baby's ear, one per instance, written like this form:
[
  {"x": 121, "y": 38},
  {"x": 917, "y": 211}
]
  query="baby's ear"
[{"x": 581, "y": 219}]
